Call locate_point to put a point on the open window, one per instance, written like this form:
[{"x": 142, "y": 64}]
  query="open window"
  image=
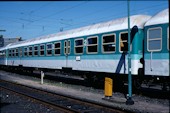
[
  {"x": 92, "y": 45},
  {"x": 109, "y": 43},
  {"x": 123, "y": 42},
  {"x": 78, "y": 46},
  {"x": 154, "y": 39},
  {"x": 57, "y": 48}
]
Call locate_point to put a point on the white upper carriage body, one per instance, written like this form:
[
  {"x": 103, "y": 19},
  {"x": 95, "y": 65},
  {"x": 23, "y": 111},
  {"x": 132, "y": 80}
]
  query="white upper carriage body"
[
  {"x": 158, "y": 66},
  {"x": 160, "y": 18},
  {"x": 114, "y": 25}
]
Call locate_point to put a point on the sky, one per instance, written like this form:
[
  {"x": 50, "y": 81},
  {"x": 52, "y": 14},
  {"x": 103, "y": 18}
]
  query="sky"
[{"x": 32, "y": 19}]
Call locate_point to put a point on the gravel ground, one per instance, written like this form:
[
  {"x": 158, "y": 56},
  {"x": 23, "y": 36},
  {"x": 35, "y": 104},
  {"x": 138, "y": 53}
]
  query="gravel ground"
[
  {"x": 142, "y": 103},
  {"x": 13, "y": 103}
]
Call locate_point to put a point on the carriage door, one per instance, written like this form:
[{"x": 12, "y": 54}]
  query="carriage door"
[{"x": 67, "y": 44}]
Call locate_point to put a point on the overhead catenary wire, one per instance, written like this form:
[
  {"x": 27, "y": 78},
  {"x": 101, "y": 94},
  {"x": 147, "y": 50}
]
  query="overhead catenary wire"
[{"x": 82, "y": 23}]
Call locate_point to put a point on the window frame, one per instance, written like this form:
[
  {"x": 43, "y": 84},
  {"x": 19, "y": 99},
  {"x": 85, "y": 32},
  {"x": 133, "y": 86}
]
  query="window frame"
[
  {"x": 67, "y": 47},
  {"x": 92, "y": 45},
  {"x": 29, "y": 51},
  {"x": 41, "y": 50},
  {"x": 155, "y": 50},
  {"x": 78, "y": 46},
  {"x": 26, "y": 52},
  {"x": 36, "y": 50},
  {"x": 9, "y": 52},
  {"x": 57, "y": 48},
  {"x": 122, "y": 41},
  {"x": 13, "y": 52},
  {"x": 108, "y": 43},
  {"x": 49, "y": 49},
  {"x": 16, "y": 52}
]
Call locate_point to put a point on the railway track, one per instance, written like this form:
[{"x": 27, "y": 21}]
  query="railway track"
[{"x": 60, "y": 102}]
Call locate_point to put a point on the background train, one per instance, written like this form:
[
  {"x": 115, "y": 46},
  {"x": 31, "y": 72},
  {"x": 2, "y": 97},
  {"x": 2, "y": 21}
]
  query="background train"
[{"x": 100, "y": 50}]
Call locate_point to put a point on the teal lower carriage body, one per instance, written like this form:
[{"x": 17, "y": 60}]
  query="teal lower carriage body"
[
  {"x": 157, "y": 64},
  {"x": 107, "y": 64}
]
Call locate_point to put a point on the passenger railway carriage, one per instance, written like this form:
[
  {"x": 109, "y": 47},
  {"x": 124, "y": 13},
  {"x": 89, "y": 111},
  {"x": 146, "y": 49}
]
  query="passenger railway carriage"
[
  {"x": 157, "y": 45},
  {"x": 99, "y": 48}
]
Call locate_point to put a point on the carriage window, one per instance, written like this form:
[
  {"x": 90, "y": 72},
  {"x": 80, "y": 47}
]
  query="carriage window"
[
  {"x": 42, "y": 50},
  {"x": 92, "y": 45},
  {"x": 35, "y": 50},
  {"x": 16, "y": 52},
  {"x": 57, "y": 48},
  {"x": 78, "y": 46},
  {"x": 67, "y": 47},
  {"x": 49, "y": 49},
  {"x": 30, "y": 51},
  {"x": 20, "y": 51},
  {"x": 168, "y": 37},
  {"x": 9, "y": 52},
  {"x": 25, "y": 51},
  {"x": 13, "y": 52},
  {"x": 109, "y": 43},
  {"x": 154, "y": 39},
  {"x": 123, "y": 42}
]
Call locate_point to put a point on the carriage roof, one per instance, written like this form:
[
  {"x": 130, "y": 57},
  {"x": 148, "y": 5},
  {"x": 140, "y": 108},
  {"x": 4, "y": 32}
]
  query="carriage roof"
[
  {"x": 113, "y": 25},
  {"x": 160, "y": 18}
]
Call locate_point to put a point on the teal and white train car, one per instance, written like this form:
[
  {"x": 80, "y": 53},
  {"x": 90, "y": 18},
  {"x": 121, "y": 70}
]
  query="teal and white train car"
[
  {"x": 96, "y": 48},
  {"x": 156, "y": 53}
]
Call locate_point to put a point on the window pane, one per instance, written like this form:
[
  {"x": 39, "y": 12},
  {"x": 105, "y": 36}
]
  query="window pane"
[
  {"x": 49, "y": 46},
  {"x": 57, "y": 45},
  {"x": 36, "y": 53},
  {"x": 41, "y": 52},
  {"x": 68, "y": 50},
  {"x": 68, "y": 43},
  {"x": 49, "y": 52},
  {"x": 36, "y": 48},
  {"x": 92, "y": 48},
  {"x": 30, "y": 53},
  {"x": 124, "y": 42},
  {"x": 108, "y": 39},
  {"x": 79, "y": 49},
  {"x": 154, "y": 45},
  {"x": 42, "y": 47},
  {"x": 30, "y": 48},
  {"x": 78, "y": 42},
  {"x": 92, "y": 40},
  {"x": 108, "y": 48},
  {"x": 155, "y": 33},
  {"x": 57, "y": 51}
]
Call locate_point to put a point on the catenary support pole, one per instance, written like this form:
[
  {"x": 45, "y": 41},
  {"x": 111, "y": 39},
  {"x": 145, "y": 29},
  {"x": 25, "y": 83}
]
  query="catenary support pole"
[{"x": 129, "y": 97}]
